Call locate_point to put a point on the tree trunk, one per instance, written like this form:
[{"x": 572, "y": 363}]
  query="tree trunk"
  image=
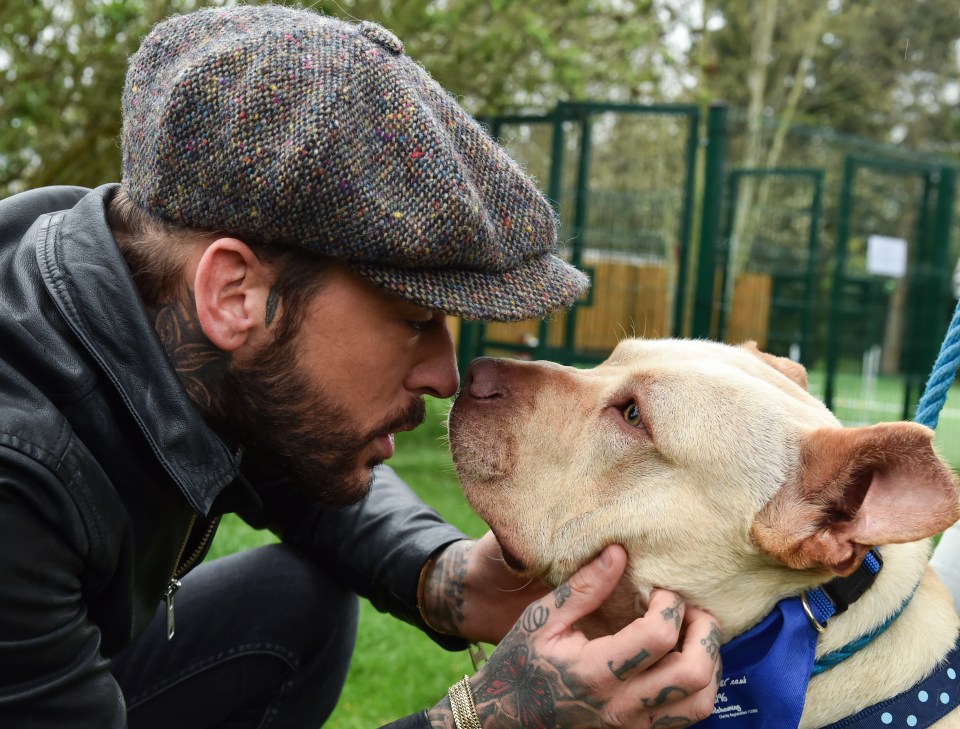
[{"x": 761, "y": 44}]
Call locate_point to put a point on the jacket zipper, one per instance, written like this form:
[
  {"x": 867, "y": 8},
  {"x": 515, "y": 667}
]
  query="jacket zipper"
[
  {"x": 184, "y": 566},
  {"x": 168, "y": 594}
]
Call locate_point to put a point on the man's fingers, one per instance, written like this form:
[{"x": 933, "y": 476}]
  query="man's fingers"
[
  {"x": 647, "y": 639},
  {"x": 693, "y": 669},
  {"x": 672, "y": 710},
  {"x": 702, "y": 634},
  {"x": 668, "y": 607},
  {"x": 684, "y": 682},
  {"x": 670, "y": 685},
  {"x": 587, "y": 588}
]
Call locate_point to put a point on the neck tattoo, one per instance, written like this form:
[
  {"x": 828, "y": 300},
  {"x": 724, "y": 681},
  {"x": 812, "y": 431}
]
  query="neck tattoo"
[{"x": 196, "y": 360}]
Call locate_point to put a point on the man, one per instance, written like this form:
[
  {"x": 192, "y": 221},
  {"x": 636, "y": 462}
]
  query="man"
[{"x": 241, "y": 325}]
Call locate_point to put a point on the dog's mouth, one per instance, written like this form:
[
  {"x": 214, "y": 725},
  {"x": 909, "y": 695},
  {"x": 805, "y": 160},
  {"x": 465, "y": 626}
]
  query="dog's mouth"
[
  {"x": 512, "y": 560},
  {"x": 510, "y": 557}
]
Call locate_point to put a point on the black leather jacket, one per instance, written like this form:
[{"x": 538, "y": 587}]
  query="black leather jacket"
[{"x": 111, "y": 482}]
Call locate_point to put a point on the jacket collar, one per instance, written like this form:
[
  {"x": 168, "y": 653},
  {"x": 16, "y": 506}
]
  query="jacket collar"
[{"x": 88, "y": 280}]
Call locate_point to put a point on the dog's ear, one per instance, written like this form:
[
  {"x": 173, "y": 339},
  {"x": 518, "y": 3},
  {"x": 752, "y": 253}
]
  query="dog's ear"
[
  {"x": 793, "y": 370},
  {"x": 857, "y": 488}
]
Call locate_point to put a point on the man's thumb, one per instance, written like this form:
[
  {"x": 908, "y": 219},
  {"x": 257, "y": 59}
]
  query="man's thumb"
[{"x": 589, "y": 586}]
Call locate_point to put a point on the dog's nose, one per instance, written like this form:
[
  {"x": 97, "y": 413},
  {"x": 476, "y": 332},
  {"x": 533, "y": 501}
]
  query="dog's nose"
[{"x": 484, "y": 379}]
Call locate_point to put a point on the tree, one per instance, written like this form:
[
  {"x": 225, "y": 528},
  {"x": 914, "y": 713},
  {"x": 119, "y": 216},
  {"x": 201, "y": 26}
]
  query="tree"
[
  {"x": 64, "y": 61},
  {"x": 63, "y": 66},
  {"x": 879, "y": 70}
]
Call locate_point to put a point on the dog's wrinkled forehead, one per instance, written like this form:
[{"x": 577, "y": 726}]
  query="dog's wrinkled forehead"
[
  {"x": 709, "y": 360},
  {"x": 695, "y": 380},
  {"x": 676, "y": 352},
  {"x": 677, "y": 361}
]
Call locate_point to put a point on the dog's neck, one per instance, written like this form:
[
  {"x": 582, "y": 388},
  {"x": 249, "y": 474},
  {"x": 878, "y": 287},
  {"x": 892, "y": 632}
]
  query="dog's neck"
[
  {"x": 916, "y": 641},
  {"x": 739, "y": 605},
  {"x": 913, "y": 644}
]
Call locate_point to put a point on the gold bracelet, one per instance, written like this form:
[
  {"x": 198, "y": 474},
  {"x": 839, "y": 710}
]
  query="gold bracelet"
[
  {"x": 461, "y": 703},
  {"x": 422, "y": 588}
]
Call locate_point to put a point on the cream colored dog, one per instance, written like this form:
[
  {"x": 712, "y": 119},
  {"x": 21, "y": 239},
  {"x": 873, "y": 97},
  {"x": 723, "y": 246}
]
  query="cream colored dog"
[{"x": 727, "y": 482}]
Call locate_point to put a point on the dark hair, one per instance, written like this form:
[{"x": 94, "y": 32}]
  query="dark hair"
[{"x": 156, "y": 253}]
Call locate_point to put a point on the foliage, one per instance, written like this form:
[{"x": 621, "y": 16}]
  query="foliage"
[
  {"x": 63, "y": 64},
  {"x": 884, "y": 70},
  {"x": 510, "y": 55}
]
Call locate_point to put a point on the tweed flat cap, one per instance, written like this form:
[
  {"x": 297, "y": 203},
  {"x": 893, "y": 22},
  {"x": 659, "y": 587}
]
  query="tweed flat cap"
[{"x": 292, "y": 128}]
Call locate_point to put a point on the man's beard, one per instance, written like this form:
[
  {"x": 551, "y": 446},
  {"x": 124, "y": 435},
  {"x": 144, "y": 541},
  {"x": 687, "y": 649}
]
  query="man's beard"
[{"x": 287, "y": 423}]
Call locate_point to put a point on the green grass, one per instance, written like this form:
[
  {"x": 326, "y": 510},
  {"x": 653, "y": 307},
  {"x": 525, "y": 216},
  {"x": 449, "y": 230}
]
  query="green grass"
[{"x": 397, "y": 670}]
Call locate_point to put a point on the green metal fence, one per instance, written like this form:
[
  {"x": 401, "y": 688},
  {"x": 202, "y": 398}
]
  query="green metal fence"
[
  {"x": 789, "y": 271},
  {"x": 704, "y": 225},
  {"x": 623, "y": 180},
  {"x": 898, "y": 320}
]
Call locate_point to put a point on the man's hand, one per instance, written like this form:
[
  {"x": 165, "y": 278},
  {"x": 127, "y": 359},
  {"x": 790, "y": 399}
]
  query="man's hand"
[
  {"x": 545, "y": 673},
  {"x": 470, "y": 592}
]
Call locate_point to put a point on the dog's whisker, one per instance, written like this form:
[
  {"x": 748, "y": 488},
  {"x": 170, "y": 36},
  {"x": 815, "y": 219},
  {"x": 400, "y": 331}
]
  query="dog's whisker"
[{"x": 517, "y": 589}]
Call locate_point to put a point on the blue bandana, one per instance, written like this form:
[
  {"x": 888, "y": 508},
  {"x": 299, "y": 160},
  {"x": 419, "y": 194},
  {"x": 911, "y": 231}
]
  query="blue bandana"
[{"x": 766, "y": 669}]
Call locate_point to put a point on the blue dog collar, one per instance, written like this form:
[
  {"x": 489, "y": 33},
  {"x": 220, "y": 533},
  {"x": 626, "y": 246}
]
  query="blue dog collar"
[{"x": 837, "y": 595}]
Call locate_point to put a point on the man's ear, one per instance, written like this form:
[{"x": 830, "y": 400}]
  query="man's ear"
[
  {"x": 231, "y": 286},
  {"x": 857, "y": 488}
]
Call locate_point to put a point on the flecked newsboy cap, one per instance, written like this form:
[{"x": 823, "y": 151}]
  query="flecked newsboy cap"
[{"x": 292, "y": 128}]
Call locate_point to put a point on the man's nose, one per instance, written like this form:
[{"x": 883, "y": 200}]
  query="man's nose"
[{"x": 436, "y": 372}]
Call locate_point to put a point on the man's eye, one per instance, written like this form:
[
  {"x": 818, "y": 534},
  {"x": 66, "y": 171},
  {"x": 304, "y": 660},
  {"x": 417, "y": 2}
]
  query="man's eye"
[
  {"x": 419, "y": 325},
  {"x": 631, "y": 413}
]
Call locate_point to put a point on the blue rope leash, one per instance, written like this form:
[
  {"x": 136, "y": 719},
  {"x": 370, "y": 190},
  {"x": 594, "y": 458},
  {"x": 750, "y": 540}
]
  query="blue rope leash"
[
  {"x": 928, "y": 413},
  {"x": 941, "y": 378}
]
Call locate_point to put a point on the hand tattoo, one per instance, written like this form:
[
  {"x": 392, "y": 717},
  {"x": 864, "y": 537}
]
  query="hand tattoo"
[
  {"x": 628, "y": 665},
  {"x": 521, "y": 688},
  {"x": 514, "y": 677},
  {"x": 673, "y": 613},
  {"x": 664, "y": 696},
  {"x": 534, "y": 617},
  {"x": 671, "y": 722},
  {"x": 712, "y": 641},
  {"x": 561, "y": 594}
]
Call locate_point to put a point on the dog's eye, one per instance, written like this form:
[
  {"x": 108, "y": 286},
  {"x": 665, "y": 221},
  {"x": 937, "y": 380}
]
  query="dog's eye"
[{"x": 631, "y": 413}]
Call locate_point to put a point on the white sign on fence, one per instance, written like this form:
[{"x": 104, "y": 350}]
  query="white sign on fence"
[{"x": 886, "y": 256}]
